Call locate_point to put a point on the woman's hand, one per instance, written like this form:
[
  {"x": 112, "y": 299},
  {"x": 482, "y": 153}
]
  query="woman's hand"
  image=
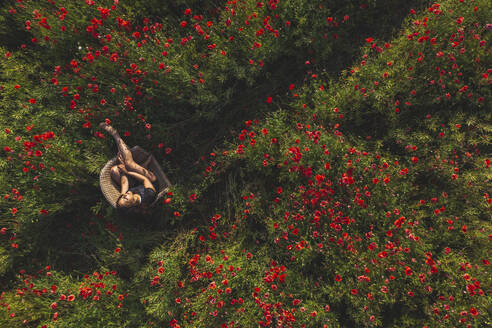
[
  {"x": 123, "y": 168},
  {"x": 122, "y": 164},
  {"x": 120, "y": 158}
]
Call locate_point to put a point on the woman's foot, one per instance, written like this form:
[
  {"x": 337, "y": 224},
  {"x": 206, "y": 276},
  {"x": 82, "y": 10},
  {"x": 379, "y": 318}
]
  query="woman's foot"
[{"x": 108, "y": 128}]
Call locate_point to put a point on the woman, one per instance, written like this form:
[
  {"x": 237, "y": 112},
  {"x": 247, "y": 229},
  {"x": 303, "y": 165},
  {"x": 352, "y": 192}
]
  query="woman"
[{"x": 142, "y": 194}]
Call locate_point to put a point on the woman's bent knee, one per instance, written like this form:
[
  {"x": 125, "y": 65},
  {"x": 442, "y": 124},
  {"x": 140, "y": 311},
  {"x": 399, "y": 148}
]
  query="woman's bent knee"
[
  {"x": 115, "y": 169},
  {"x": 115, "y": 174}
]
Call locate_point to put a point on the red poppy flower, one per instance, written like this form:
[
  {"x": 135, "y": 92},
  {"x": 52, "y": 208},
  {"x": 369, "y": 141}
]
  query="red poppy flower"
[{"x": 282, "y": 277}]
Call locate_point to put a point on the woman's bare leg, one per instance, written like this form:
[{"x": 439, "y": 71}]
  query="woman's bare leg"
[
  {"x": 120, "y": 178},
  {"x": 127, "y": 154},
  {"x": 122, "y": 146},
  {"x": 139, "y": 169},
  {"x": 115, "y": 175}
]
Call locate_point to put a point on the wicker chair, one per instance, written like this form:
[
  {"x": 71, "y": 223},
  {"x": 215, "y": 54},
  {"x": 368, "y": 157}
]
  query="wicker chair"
[{"x": 111, "y": 190}]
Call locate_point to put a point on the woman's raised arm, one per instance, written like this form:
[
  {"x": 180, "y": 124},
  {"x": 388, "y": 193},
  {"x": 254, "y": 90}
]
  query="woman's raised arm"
[{"x": 146, "y": 182}]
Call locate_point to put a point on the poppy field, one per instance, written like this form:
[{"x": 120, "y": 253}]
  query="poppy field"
[{"x": 329, "y": 160}]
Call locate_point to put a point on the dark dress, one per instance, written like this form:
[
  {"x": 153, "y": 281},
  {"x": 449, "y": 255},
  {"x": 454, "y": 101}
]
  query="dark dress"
[{"x": 147, "y": 194}]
